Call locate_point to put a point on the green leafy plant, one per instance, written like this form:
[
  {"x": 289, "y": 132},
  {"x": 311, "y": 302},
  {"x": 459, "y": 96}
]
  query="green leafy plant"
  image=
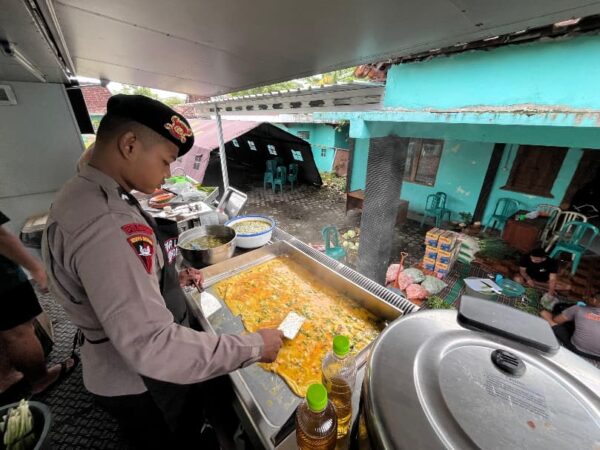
[
  {"x": 435, "y": 302},
  {"x": 332, "y": 181},
  {"x": 466, "y": 217}
]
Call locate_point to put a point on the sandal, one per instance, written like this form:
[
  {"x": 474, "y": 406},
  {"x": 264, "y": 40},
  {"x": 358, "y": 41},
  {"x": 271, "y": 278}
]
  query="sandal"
[{"x": 65, "y": 371}]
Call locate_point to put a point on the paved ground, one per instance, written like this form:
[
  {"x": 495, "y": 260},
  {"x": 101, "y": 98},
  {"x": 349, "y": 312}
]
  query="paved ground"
[{"x": 304, "y": 211}]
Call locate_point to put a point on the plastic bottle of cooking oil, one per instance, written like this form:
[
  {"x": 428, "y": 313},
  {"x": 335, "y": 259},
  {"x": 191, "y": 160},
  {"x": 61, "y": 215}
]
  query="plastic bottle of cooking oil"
[
  {"x": 339, "y": 377},
  {"x": 316, "y": 422}
]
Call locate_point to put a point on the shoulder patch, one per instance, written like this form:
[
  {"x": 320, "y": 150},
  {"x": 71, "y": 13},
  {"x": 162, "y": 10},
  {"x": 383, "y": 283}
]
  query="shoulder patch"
[
  {"x": 143, "y": 246},
  {"x": 135, "y": 228}
]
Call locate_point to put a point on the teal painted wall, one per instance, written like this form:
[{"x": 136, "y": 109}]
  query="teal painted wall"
[
  {"x": 321, "y": 135},
  {"x": 342, "y": 136},
  {"x": 359, "y": 164},
  {"x": 562, "y": 72},
  {"x": 461, "y": 173},
  {"x": 530, "y": 202}
]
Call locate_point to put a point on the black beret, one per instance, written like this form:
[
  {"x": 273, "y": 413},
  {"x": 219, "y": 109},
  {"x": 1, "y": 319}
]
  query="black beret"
[{"x": 155, "y": 115}]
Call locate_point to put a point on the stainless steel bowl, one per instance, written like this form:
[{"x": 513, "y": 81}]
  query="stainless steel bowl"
[{"x": 203, "y": 258}]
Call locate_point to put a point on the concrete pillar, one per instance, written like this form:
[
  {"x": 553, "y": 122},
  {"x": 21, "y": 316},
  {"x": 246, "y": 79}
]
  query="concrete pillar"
[{"x": 385, "y": 172}]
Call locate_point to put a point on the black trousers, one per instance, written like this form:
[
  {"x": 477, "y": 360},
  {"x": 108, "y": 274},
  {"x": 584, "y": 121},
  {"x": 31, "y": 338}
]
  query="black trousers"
[
  {"x": 564, "y": 332},
  {"x": 142, "y": 422}
]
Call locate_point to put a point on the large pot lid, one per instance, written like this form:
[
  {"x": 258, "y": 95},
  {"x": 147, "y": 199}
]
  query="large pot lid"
[{"x": 432, "y": 383}]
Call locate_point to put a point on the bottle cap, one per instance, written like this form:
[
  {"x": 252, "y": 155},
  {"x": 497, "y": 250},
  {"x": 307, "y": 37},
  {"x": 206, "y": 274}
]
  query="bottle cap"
[
  {"x": 341, "y": 345},
  {"x": 316, "y": 397}
]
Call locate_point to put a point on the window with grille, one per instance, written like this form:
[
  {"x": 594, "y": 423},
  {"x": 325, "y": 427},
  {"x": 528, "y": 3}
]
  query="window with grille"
[
  {"x": 197, "y": 162},
  {"x": 304, "y": 135},
  {"x": 297, "y": 154},
  {"x": 252, "y": 145},
  {"x": 323, "y": 152},
  {"x": 272, "y": 150},
  {"x": 535, "y": 169},
  {"x": 423, "y": 160}
]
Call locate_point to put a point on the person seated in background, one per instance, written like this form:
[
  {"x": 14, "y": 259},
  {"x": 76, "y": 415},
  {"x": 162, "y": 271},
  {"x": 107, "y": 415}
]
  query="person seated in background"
[
  {"x": 578, "y": 327},
  {"x": 538, "y": 270}
]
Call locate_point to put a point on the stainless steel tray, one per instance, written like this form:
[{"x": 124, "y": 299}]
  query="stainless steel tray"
[{"x": 265, "y": 397}]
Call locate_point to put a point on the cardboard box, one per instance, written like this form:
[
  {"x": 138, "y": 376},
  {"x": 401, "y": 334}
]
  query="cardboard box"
[
  {"x": 431, "y": 252},
  {"x": 445, "y": 257},
  {"x": 432, "y": 236},
  {"x": 428, "y": 264},
  {"x": 441, "y": 273},
  {"x": 442, "y": 266},
  {"x": 447, "y": 241}
]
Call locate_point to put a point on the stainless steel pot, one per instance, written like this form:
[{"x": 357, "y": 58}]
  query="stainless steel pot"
[
  {"x": 489, "y": 376},
  {"x": 202, "y": 258}
]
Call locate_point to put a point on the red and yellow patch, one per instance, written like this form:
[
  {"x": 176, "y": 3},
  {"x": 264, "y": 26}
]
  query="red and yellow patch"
[
  {"x": 136, "y": 228},
  {"x": 179, "y": 129},
  {"x": 143, "y": 246}
]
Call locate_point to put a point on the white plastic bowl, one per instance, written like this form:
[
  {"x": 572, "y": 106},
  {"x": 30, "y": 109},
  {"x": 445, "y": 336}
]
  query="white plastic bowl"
[{"x": 254, "y": 240}]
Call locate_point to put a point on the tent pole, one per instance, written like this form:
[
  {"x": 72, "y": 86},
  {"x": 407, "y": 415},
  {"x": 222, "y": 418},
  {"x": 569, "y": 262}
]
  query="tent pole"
[{"x": 222, "y": 154}]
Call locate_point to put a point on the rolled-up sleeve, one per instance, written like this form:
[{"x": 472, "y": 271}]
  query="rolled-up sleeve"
[{"x": 126, "y": 298}]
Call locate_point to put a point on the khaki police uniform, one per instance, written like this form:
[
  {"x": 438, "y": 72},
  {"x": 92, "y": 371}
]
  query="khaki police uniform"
[
  {"x": 113, "y": 270},
  {"x": 105, "y": 288}
]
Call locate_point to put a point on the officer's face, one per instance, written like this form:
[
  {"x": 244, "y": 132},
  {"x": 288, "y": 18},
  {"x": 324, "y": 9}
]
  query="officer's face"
[{"x": 152, "y": 164}]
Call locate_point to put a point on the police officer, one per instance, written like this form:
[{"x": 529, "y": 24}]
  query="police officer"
[{"x": 110, "y": 267}]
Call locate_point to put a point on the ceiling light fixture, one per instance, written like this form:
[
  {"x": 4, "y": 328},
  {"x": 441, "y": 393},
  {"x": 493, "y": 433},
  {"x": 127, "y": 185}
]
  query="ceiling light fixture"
[{"x": 11, "y": 51}]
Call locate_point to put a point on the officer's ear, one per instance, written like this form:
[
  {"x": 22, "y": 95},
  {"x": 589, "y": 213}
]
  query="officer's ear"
[{"x": 127, "y": 144}]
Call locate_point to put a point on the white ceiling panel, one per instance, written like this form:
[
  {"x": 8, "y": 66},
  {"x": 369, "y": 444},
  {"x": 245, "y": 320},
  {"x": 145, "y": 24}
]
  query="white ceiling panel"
[
  {"x": 18, "y": 27},
  {"x": 211, "y": 47}
]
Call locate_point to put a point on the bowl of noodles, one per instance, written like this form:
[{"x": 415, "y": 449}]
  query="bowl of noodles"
[
  {"x": 206, "y": 245},
  {"x": 252, "y": 231}
]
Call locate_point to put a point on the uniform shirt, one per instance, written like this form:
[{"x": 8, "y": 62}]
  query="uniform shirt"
[
  {"x": 587, "y": 328},
  {"x": 10, "y": 273},
  {"x": 108, "y": 290},
  {"x": 539, "y": 271}
]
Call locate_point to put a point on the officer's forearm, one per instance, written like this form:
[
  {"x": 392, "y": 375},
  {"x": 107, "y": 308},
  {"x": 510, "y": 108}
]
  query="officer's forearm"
[{"x": 11, "y": 247}]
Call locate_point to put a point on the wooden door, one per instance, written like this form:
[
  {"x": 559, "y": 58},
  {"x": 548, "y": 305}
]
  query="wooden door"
[{"x": 589, "y": 165}]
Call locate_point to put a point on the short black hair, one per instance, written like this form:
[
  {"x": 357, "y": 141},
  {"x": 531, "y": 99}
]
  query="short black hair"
[
  {"x": 112, "y": 125},
  {"x": 539, "y": 253}
]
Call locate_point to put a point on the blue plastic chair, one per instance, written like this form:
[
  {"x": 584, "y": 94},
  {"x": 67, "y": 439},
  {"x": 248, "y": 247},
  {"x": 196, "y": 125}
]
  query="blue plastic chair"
[
  {"x": 435, "y": 206},
  {"x": 280, "y": 179},
  {"x": 504, "y": 210},
  {"x": 331, "y": 237},
  {"x": 575, "y": 238},
  {"x": 293, "y": 175},
  {"x": 270, "y": 174},
  {"x": 272, "y": 166}
]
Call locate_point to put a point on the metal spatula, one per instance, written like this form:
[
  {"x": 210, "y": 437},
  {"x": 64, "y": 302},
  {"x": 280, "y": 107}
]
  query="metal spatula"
[{"x": 291, "y": 325}]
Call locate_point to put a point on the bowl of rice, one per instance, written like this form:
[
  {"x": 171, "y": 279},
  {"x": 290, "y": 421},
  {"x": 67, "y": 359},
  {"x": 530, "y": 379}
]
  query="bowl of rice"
[{"x": 252, "y": 231}]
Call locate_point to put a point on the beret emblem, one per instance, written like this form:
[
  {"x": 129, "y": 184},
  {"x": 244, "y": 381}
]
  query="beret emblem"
[{"x": 178, "y": 129}]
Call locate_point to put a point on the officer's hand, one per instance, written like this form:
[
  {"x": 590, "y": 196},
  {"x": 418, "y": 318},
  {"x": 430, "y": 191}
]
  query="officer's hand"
[
  {"x": 191, "y": 277},
  {"x": 273, "y": 340}
]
